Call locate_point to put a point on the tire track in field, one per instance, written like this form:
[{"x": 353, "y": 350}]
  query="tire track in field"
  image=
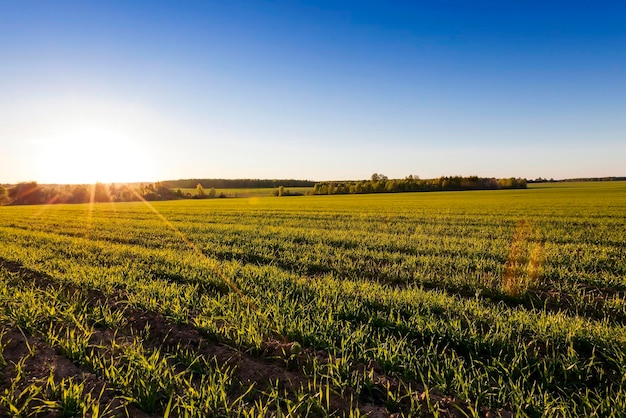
[
  {"x": 167, "y": 336},
  {"x": 34, "y": 360},
  {"x": 162, "y": 332},
  {"x": 271, "y": 368}
]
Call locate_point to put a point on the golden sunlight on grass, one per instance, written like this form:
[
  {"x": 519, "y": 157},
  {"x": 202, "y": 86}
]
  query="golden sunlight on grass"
[{"x": 523, "y": 266}]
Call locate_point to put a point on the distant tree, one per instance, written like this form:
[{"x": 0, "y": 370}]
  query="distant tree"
[
  {"x": 212, "y": 192},
  {"x": 112, "y": 190},
  {"x": 281, "y": 190},
  {"x": 80, "y": 194},
  {"x": 27, "y": 194},
  {"x": 199, "y": 190},
  {"x": 101, "y": 193},
  {"x": 4, "y": 195},
  {"x": 164, "y": 192},
  {"x": 126, "y": 195}
]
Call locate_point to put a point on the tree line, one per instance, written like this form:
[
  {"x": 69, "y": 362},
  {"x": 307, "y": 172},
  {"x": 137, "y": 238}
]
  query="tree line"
[
  {"x": 31, "y": 193},
  {"x": 577, "y": 180},
  {"x": 236, "y": 183},
  {"x": 379, "y": 183}
]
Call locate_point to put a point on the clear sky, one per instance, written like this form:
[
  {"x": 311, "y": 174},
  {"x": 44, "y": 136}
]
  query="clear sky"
[{"x": 143, "y": 91}]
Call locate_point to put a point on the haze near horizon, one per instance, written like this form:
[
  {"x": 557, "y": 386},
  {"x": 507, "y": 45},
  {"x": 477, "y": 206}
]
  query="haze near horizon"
[{"x": 145, "y": 91}]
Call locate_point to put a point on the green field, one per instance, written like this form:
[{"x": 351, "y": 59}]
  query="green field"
[{"x": 486, "y": 303}]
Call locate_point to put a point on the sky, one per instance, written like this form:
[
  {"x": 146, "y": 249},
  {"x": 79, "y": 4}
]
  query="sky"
[{"x": 121, "y": 91}]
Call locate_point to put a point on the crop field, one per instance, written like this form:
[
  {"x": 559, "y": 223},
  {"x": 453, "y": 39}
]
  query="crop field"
[{"x": 486, "y": 303}]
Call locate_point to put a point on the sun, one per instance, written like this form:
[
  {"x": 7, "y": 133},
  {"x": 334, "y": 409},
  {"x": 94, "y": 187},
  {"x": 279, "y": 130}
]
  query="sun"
[{"x": 90, "y": 156}]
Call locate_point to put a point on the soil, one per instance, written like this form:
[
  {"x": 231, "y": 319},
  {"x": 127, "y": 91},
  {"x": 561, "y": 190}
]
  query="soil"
[{"x": 267, "y": 369}]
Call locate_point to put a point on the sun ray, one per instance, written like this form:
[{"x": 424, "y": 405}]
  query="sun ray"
[
  {"x": 92, "y": 198},
  {"x": 44, "y": 207},
  {"x": 213, "y": 265}
]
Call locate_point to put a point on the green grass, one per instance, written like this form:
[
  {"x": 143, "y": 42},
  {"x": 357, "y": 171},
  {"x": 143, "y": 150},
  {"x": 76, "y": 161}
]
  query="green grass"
[{"x": 492, "y": 299}]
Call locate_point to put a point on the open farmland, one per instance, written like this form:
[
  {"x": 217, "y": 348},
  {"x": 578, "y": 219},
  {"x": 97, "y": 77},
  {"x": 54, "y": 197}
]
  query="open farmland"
[{"x": 436, "y": 304}]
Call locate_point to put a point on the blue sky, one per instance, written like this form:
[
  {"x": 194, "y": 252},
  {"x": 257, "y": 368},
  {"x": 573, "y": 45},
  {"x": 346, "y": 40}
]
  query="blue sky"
[{"x": 142, "y": 91}]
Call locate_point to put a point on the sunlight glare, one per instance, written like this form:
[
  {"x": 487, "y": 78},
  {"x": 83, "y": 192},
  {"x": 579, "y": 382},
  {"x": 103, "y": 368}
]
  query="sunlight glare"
[{"x": 86, "y": 157}]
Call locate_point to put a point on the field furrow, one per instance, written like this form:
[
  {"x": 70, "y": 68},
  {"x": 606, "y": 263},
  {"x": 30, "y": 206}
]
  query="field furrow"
[{"x": 507, "y": 301}]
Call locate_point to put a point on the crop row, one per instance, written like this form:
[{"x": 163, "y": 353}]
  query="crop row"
[
  {"x": 151, "y": 368},
  {"x": 578, "y": 261},
  {"x": 400, "y": 290}
]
